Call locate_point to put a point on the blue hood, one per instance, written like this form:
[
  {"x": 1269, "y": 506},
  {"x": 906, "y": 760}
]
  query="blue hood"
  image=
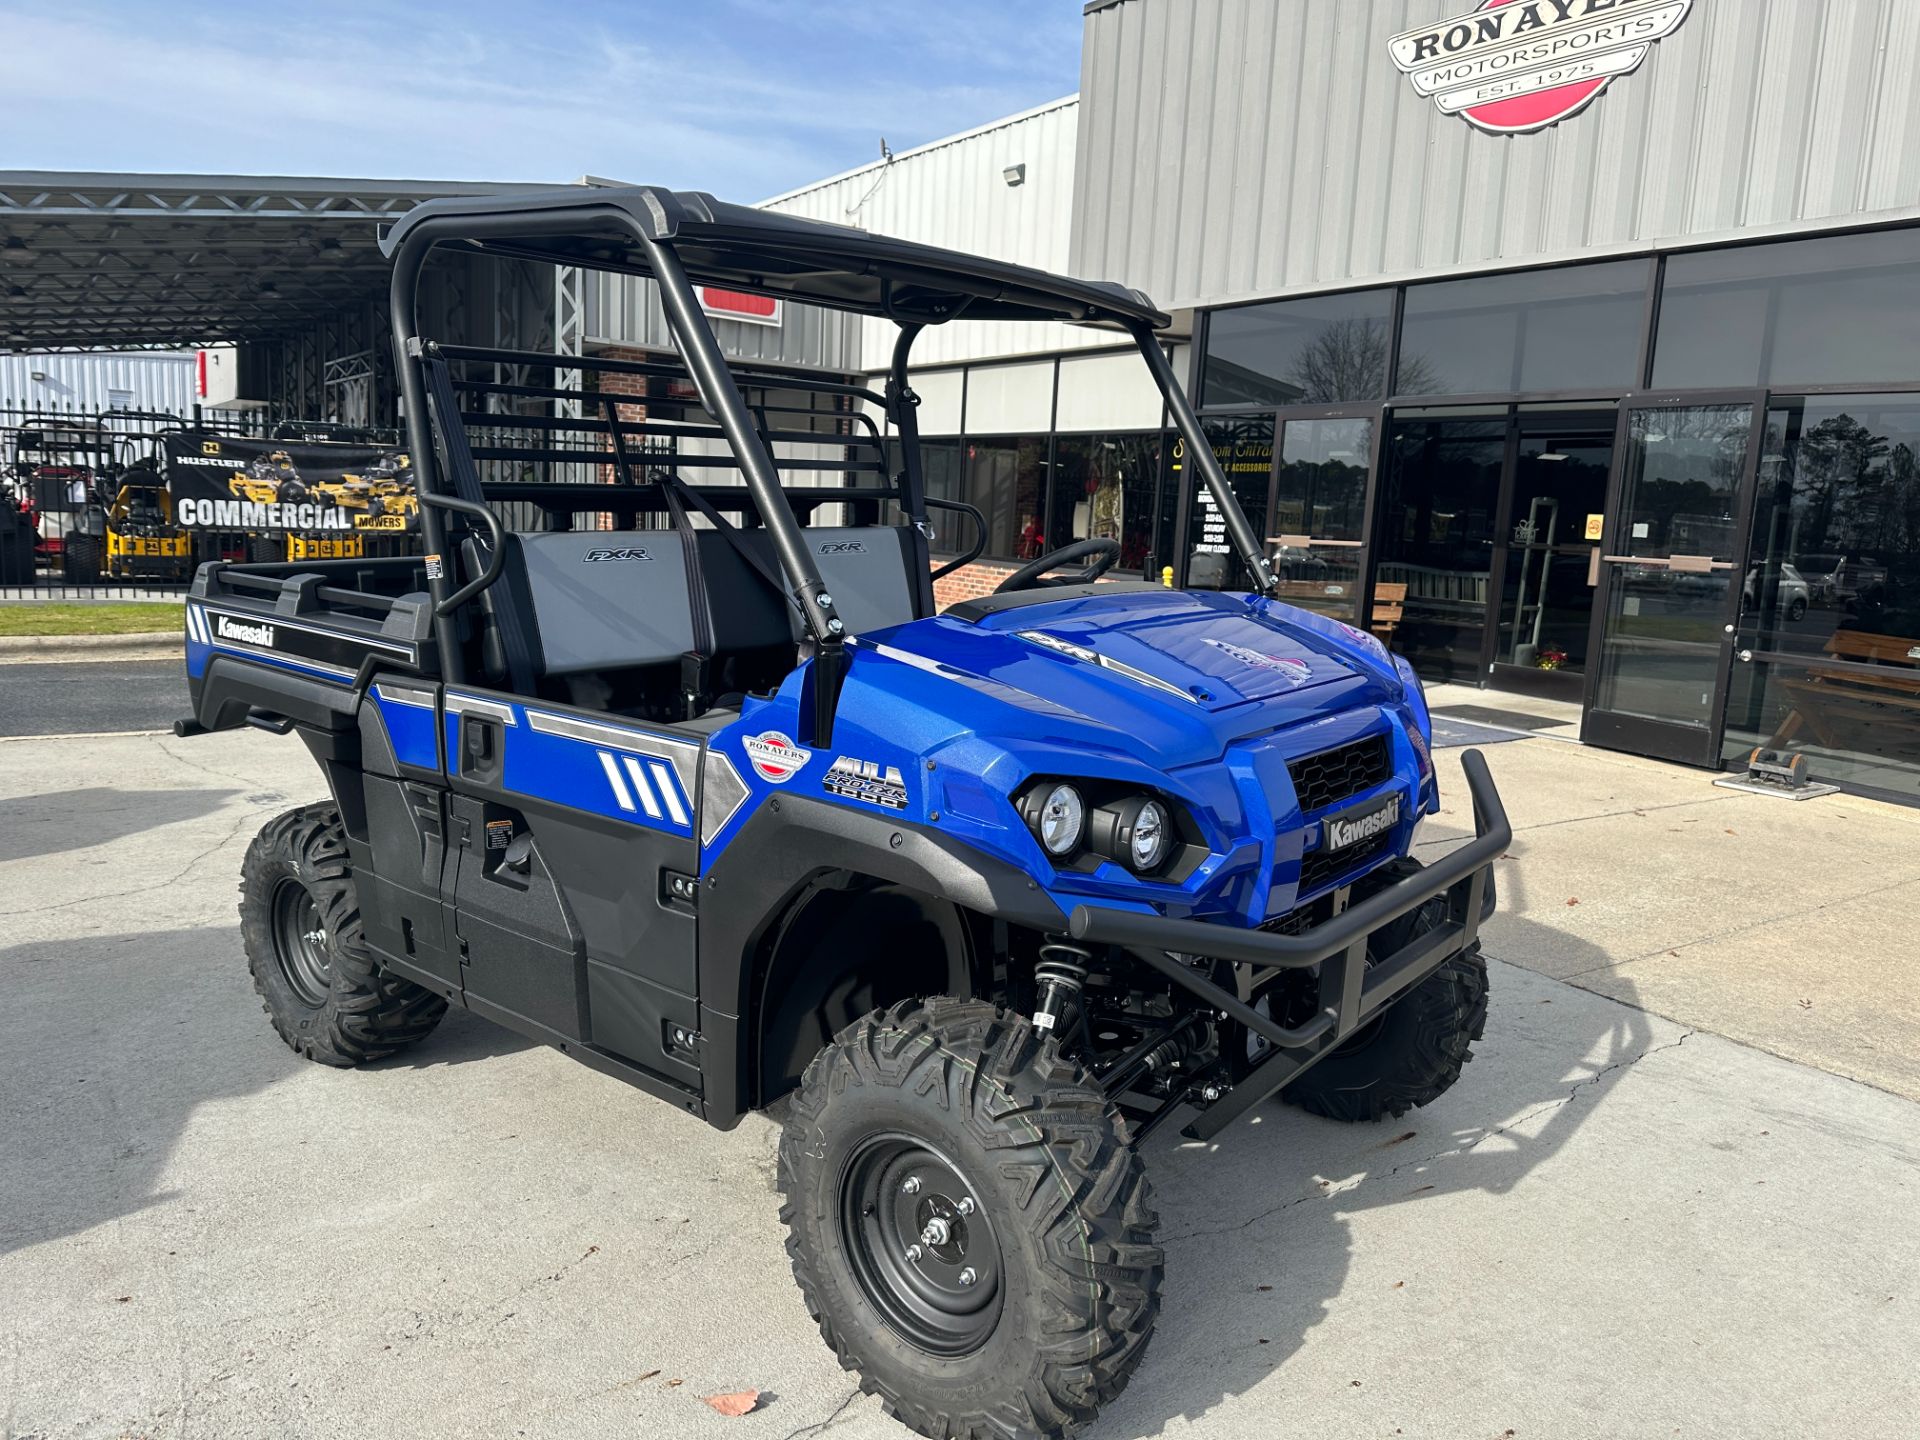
[{"x": 1167, "y": 675}]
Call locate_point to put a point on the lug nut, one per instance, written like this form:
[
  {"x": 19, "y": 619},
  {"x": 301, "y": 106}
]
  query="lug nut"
[
  {"x": 965, "y": 1207},
  {"x": 967, "y": 1277},
  {"x": 913, "y": 1253},
  {"x": 910, "y": 1185}
]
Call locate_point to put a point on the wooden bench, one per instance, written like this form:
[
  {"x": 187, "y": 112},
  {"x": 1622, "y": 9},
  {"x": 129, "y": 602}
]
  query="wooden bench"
[
  {"x": 1827, "y": 698},
  {"x": 1389, "y": 605}
]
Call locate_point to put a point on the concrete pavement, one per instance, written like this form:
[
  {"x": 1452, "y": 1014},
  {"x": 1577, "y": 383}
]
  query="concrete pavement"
[{"x": 1618, "y": 1224}]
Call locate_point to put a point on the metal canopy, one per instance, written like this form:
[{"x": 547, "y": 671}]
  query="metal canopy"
[
  {"x": 771, "y": 253},
  {"x": 91, "y": 261}
]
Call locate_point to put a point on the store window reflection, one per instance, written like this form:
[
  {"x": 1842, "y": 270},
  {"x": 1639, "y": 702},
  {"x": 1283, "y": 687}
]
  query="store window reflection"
[
  {"x": 1830, "y": 595},
  {"x": 1006, "y": 480},
  {"x": 1319, "y": 351},
  {"x": 1243, "y": 444},
  {"x": 1436, "y": 539},
  {"x": 1103, "y": 489},
  {"x": 1320, "y": 514}
]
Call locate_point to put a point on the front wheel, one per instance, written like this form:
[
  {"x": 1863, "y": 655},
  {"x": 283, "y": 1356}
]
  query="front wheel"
[
  {"x": 968, "y": 1222},
  {"x": 300, "y": 920}
]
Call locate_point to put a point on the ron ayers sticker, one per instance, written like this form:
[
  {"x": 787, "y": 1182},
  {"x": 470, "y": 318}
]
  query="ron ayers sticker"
[{"x": 775, "y": 756}]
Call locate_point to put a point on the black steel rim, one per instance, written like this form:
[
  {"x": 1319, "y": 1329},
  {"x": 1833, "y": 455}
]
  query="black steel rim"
[
  {"x": 300, "y": 943},
  {"x": 920, "y": 1244}
]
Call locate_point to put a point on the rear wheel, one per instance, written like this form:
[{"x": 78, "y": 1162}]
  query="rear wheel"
[
  {"x": 80, "y": 558},
  {"x": 968, "y": 1222},
  {"x": 300, "y": 920}
]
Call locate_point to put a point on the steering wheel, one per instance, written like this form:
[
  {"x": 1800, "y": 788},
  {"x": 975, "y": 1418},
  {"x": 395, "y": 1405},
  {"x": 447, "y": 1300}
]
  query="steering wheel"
[{"x": 1105, "y": 553}]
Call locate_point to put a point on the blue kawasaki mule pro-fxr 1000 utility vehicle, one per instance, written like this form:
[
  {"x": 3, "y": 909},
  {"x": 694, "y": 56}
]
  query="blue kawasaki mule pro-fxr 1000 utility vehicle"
[{"x": 690, "y": 780}]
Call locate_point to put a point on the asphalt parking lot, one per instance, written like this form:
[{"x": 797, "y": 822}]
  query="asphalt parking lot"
[{"x": 1674, "y": 1194}]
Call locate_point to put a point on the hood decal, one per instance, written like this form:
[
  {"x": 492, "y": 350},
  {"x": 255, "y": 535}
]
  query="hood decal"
[{"x": 1294, "y": 671}]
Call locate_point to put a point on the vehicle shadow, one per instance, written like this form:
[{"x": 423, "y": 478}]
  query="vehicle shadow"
[
  {"x": 1260, "y": 1226},
  {"x": 63, "y": 820},
  {"x": 110, "y": 1045}
]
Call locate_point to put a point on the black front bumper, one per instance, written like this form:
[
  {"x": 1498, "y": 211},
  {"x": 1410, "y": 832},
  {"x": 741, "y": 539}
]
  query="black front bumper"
[{"x": 1351, "y": 991}]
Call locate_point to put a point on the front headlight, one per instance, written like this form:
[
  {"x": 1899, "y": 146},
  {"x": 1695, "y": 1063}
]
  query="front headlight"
[{"x": 1058, "y": 816}]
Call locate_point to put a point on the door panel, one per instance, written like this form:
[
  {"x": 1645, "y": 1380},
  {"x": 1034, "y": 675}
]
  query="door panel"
[
  {"x": 1546, "y": 586},
  {"x": 1663, "y": 623},
  {"x": 573, "y": 825}
]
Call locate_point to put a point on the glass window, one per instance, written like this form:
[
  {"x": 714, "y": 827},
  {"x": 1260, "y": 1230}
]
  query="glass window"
[
  {"x": 1006, "y": 480},
  {"x": 1244, "y": 447},
  {"x": 1830, "y": 595},
  {"x": 1321, "y": 350},
  {"x": 1574, "y": 328},
  {"x": 1320, "y": 513},
  {"x": 1832, "y": 311},
  {"x": 941, "y": 465},
  {"x": 1103, "y": 488}
]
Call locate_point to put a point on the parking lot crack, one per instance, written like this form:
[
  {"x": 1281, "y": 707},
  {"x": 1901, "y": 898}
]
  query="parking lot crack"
[
  {"x": 820, "y": 1427},
  {"x": 241, "y": 823}
]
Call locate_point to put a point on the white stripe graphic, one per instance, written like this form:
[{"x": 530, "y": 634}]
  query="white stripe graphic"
[
  {"x": 613, "y": 778},
  {"x": 196, "y": 624},
  {"x": 669, "y": 792},
  {"x": 640, "y": 786}
]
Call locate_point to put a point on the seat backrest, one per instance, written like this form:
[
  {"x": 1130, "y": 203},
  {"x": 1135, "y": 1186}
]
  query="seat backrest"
[
  {"x": 868, "y": 569},
  {"x": 602, "y": 599}
]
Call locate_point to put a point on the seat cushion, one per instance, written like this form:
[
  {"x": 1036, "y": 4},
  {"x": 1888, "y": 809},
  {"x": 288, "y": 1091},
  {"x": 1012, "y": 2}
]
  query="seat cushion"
[{"x": 604, "y": 599}]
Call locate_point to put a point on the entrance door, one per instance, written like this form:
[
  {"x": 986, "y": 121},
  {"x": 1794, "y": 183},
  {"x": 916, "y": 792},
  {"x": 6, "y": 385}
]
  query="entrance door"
[
  {"x": 1663, "y": 624},
  {"x": 1435, "y": 541},
  {"x": 1318, "y": 518},
  {"x": 1554, "y": 500}
]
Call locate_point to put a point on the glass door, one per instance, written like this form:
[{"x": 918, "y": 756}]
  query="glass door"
[
  {"x": 1552, "y": 515},
  {"x": 1319, "y": 514},
  {"x": 1435, "y": 539},
  {"x": 1663, "y": 624}
]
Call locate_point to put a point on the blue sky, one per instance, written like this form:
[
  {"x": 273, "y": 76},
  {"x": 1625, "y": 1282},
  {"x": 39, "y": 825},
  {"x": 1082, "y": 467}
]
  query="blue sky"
[{"x": 745, "y": 98}]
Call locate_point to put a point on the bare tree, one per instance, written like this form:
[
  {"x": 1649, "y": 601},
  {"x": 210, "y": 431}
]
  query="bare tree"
[{"x": 1347, "y": 360}]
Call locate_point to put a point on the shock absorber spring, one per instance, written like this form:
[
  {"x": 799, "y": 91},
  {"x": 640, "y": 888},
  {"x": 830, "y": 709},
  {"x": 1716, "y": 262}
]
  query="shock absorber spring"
[{"x": 1058, "y": 978}]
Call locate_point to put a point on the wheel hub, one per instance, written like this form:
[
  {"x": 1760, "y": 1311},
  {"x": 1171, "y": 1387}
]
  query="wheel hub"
[
  {"x": 300, "y": 944},
  {"x": 920, "y": 1244}
]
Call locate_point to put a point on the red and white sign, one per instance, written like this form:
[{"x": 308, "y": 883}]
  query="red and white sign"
[
  {"x": 775, "y": 756},
  {"x": 738, "y": 305},
  {"x": 1511, "y": 66}
]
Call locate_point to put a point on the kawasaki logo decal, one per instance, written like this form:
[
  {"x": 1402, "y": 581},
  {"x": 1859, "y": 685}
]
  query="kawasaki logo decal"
[
  {"x": 227, "y": 629},
  {"x": 1511, "y": 66},
  {"x": 775, "y": 757},
  {"x": 1351, "y": 830}
]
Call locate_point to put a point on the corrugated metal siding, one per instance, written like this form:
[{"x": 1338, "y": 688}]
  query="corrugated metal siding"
[
  {"x": 952, "y": 193},
  {"x": 625, "y": 310},
  {"x": 82, "y": 383},
  {"x": 1232, "y": 148}
]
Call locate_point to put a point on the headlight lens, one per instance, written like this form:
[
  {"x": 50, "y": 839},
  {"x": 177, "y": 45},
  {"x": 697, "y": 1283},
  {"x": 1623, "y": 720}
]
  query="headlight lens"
[
  {"x": 1061, "y": 819},
  {"x": 1152, "y": 830}
]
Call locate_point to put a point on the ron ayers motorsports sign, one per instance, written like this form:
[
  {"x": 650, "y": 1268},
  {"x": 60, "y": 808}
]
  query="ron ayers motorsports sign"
[{"x": 1517, "y": 65}]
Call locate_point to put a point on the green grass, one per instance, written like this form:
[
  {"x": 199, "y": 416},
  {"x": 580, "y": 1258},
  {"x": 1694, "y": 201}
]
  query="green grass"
[{"x": 34, "y": 617}]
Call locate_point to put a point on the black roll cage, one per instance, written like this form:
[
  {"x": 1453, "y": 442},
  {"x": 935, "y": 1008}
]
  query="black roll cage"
[{"x": 676, "y": 238}]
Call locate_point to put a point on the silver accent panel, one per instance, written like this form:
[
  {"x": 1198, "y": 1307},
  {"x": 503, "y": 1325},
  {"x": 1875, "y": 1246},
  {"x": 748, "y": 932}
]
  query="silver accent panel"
[
  {"x": 1105, "y": 662},
  {"x": 721, "y": 796},
  {"x": 493, "y": 709},
  {"x": 683, "y": 755},
  {"x": 405, "y": 695}
]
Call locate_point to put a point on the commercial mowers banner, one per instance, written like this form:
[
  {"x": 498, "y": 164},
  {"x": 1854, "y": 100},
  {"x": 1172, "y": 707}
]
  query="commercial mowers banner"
[{"x": 262, "y": 486}]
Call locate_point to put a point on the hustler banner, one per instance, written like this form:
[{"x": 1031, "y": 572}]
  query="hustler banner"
[{"x": 220, "y": 482}]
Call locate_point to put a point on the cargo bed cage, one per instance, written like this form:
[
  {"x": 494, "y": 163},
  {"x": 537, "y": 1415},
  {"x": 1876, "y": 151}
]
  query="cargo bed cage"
[{"x": 474, "y": 433}]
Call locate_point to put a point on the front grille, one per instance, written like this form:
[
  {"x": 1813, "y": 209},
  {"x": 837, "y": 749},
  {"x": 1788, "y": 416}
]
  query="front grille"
[
  {"x": 1340, "y": 773},
  {"x": 1322, "y": 867}
]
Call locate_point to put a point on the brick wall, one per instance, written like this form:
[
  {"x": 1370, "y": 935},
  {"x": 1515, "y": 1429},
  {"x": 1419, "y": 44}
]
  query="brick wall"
[{"x": 969, "y": 582}]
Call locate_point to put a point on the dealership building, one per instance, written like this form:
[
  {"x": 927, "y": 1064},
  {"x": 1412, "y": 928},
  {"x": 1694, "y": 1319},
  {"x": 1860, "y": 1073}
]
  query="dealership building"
[{"x": 1571, "y": 345}]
